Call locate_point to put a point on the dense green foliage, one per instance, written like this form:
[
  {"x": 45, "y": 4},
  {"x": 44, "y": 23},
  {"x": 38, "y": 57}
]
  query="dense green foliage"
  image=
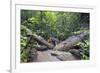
[
  {"x": 54, "y": 24},
  {"x": 85, "y": 46}
]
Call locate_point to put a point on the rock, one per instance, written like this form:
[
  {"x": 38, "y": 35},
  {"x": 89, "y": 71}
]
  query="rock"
[
  {"x": 56, "y": 53},
  {"x": 76, "y": 52},
  {"x": 63, "y": 56},
  {"x": 66, "y": 57},
  {"x": 45, "y": 56}
]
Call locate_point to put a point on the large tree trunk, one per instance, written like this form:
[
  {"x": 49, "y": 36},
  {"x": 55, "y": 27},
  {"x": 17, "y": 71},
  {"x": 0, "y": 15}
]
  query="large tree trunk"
[
  {"x": 43, "y": 41},
  {"x": 38, "y": 38},
  {"x": 65, "y": 45},
  {"x": 68, "y": 43}
]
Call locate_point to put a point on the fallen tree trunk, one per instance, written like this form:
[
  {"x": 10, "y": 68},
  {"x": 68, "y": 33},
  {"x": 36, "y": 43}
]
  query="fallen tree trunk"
[
  {"x": 38, "y": 38},
  {"x": 43, "y": 41},
  {"x": 68, "y": 43}
]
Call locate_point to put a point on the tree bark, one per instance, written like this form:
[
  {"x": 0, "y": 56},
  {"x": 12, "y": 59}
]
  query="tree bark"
[
  {"x": 38, "y": 38},
  {"x": 68, "y": 43},
  {"x": 43, "y": 41}
]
